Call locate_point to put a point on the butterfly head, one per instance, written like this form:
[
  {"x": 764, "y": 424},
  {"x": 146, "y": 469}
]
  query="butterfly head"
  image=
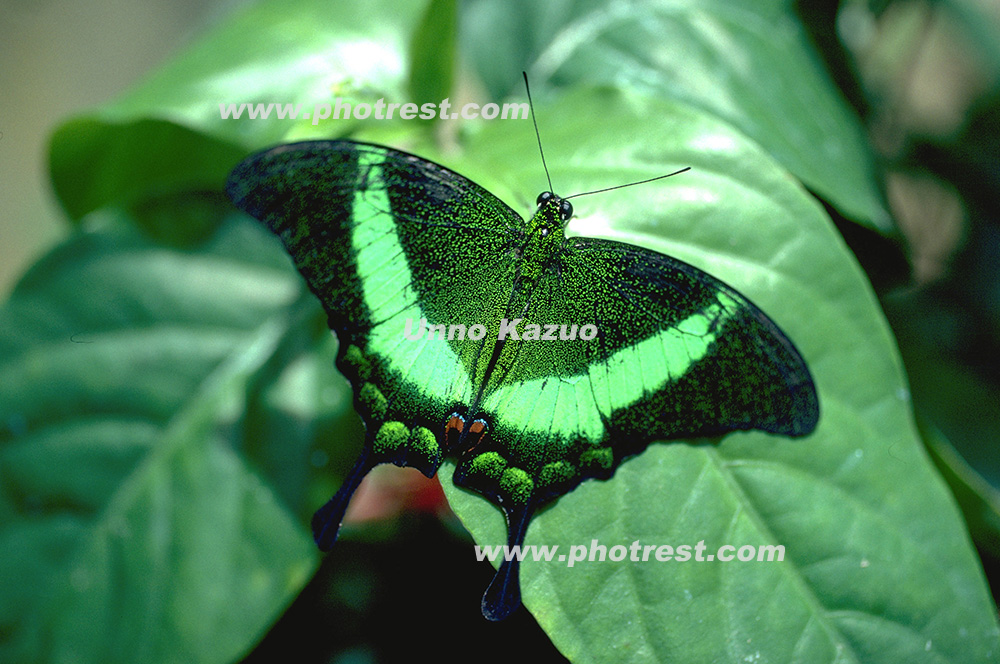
[
  {"x": 545, "y": 234},
  {"x": 554, "y": 208}
]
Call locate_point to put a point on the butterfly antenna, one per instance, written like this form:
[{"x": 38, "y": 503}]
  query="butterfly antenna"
[
  {"x": 531, "y": 107},
  {"x": 630, "y": 184}
]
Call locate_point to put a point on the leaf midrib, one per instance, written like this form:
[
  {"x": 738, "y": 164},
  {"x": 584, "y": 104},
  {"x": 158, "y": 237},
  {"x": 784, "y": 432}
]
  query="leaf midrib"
[{"x": 241, "y": 361}]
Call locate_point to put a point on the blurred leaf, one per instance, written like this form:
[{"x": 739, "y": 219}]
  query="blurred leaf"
[
  {"x": 979, "y": 501},
  {"x": 981, "y": 20},
  {"x": 95, "y": 163},
  {"x": 957, "y": 407},
  {"x": 433, "y": 53},
  {"x": 166, "y": 134},
  {"x": 133, "y": 526},
  {"x": 932, "y": 336},
  {"x": 878, "y": 565},
  {"x": 750, "y": 64}
]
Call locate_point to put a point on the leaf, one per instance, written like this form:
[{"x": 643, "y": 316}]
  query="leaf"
[
  {"x": 750, "y": 64},
  {"x": 135, "y": 526},
  {"x": 878, "y": 566},
  {"x": 980, "y": 502},
  {"x": 981, "y": 21},
  {"x": 304, "y": 52},
  {"x": 433, "y": 53},
  {"x": 956, "y": 410}
]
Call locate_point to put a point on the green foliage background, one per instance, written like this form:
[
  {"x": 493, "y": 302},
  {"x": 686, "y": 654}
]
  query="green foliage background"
[{"x": 170, "y": 415}]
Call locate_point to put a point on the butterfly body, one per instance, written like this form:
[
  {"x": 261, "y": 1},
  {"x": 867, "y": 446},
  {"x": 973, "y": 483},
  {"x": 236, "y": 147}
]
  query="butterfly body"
[{"x": 542, "y": 360}]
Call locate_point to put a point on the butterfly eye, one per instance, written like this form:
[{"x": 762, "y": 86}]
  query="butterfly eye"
[
  {"x": 543, "y": 197},
  {"x": 565, "y": 210}
]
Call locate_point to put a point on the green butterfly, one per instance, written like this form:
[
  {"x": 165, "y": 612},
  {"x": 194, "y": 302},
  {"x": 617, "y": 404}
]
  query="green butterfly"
[{"x": 537, "y": 360}]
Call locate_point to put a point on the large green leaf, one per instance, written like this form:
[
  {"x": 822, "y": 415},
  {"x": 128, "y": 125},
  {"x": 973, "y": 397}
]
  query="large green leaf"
[
  {"x": 134, "y": 521},
  {"x": 750, "y": 63},
  {"x": 878, "y": 566},
  {"x": 167, "y": 135}
]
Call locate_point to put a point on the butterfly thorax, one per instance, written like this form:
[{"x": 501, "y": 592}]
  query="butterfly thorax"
[
  {"x": 544, "y": 238},
  {"x": 537, "y": 259}
]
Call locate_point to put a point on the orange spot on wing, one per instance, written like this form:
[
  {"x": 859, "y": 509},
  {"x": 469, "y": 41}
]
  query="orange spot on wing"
[
  {"x": 455, "y": 423},
  {"x": 453, "y": 430}
]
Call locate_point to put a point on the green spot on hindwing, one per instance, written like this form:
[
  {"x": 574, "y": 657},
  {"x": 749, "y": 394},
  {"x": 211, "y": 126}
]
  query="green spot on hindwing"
[
  {"x": 423, "y": 445},
  {"x": 516, "y": 484},
  {"x": 487, "y": 465},
  {"x": 555, "y": 473},
  {"x": 390, "y": 439},
  {"x": 597, "y": 460},
  {"x": 357, "y": 363},
  {"x": 373, "y": 402}
]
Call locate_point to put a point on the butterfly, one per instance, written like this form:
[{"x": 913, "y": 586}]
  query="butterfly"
[{"x": 534, "y": 359}]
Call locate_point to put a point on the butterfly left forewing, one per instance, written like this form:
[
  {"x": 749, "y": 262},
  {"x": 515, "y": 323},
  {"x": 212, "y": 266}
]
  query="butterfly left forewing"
[{"x": 384, "y": 239}]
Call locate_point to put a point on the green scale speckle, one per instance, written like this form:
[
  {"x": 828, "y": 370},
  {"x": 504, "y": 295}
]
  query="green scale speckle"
[
  {"x": 423, "y": 441},
  {"x": 390, "y": 438},
  {"x": 372, "y": 401},
  {"x": 487, "y": 465},
  {"x": 356, "y": 363},
  {"x": 516, "y": 486}
]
